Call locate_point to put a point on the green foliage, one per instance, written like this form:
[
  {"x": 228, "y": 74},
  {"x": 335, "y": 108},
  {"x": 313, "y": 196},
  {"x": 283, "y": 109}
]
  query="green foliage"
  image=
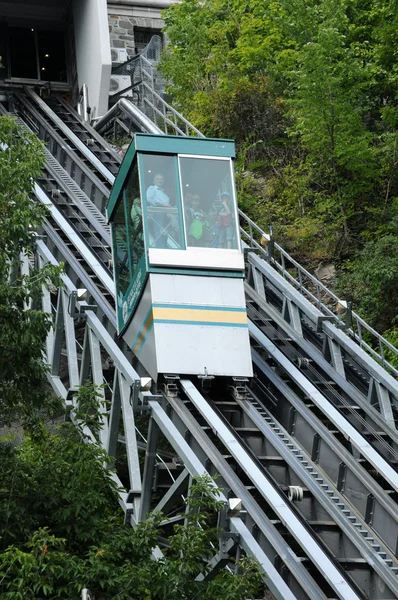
[
  {"x": 391, "y": 336},
  {"x": 23, "y": 332},
  {"x": 42, "y": 570},
  {"x": 313, "y": 84},
  {"x": 64, "y": 484},
  {"x": 72, "y": 535},
  {"x": 90, "y": 407},
  {"x": 371, "y": 280}
]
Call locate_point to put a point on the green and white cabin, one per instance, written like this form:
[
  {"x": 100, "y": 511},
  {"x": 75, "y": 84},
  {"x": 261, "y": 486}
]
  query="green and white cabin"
[{"x": 178, "y": 263}]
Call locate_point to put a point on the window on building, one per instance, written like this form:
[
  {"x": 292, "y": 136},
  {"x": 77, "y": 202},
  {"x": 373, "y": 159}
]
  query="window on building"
[
  {"x": 142, "y": 37},
  {"x": 37, "y": 54}
]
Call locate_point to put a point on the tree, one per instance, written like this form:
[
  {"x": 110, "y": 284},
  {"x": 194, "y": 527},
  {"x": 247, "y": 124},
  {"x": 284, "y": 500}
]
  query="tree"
[
  {"x": 310, "y": 87},
  {"x": 73, "y": 537},
  {"x": 371, "y": 281},
  {"x": 23, "y": 332}
]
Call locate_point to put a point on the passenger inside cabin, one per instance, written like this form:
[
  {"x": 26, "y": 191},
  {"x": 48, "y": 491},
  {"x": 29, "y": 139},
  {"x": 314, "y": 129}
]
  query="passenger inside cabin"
[
  {"x": 225, "y": 222},
  {"x": 197, "y": 224}
]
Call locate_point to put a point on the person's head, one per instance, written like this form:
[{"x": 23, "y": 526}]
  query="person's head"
[
  {"x": 225, "y": 197},
  {"x": 212, "y": 215},
  {"x": 158, "y": 180},
  {"x": 188, "y": 199},
  {"x": 196, "y": 202}
]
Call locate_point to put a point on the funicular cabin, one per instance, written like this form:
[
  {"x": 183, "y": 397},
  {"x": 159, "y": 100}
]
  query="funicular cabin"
[{"x": 178, "y": 263}]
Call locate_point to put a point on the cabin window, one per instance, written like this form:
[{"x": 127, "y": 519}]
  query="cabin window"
[
  {"x": 135, "y": 226},
  {"x": 208, "y": 196},
  {"x": 121, "y": 250},
  {"x": 161, "y": 201}
]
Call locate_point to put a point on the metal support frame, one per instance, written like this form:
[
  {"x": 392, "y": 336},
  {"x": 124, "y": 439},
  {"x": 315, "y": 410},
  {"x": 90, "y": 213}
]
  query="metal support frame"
[
  {"x": 62, "y": 351},
  {"x": 135, "y": 501},
  {"x": 341, "y": 347}
]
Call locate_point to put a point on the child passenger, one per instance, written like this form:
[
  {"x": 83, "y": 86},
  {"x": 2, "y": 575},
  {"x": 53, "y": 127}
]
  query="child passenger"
[
  {"x": 197, "y": 223},
  {"x": 210, "y": 235}
]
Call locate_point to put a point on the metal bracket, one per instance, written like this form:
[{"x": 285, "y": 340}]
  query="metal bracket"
[
  {"x": 135, "y": 391},
  {"x": 69, "y": 396},
  {"x": 127, "y": 515},
  {"x": 145, "y": 397},
  {"x": 321, "y": 319},
  {"x": 170, "y": 386},
  {"x": 131, "y": 495},
  {"x": 239, "y": 388},
  {"x": 79, "y": 314},
  {"x": 85, "y": 307},
  {"x": 247, "y": 251},
  {"x": 228, "y": 535}
]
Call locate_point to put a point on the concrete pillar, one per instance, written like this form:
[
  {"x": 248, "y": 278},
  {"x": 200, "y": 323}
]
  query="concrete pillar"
[{"x": 93, "y": 55}]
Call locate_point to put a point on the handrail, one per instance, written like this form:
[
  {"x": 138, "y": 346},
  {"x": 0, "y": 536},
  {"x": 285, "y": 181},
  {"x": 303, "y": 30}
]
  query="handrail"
[
  {"x": 318, "y": 294},
  {"x": 167, "y": 109},
  {"x": 82, "y": 104},
  {"x": 127, "y": 108},
  {"x": 149, "y": 86}
]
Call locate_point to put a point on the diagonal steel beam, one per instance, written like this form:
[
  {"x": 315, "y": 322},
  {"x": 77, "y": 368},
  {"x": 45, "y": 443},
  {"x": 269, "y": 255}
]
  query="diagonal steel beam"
[{"x": 274, "y": 580}]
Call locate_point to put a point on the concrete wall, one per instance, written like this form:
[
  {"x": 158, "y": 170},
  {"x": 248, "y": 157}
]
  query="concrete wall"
[{"x": 93, "y": 56}]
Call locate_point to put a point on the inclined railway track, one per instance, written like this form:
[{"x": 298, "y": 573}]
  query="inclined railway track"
[{"x": 315, "y": 432}]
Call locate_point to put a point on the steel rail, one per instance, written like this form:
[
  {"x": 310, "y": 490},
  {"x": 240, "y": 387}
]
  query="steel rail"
[
  {"x": 375, "y": 422},
  {"x": 279, "y": 505},
  {"x": 279, "y": 588},
  {"x": 349, "y": 475},
  {"x": 77, "y": 165},
  {"x": 47, "y": 125},
  {"x": 362, "y": 445},
  {"x": 250, "y": 416},
  {"x": 379, "y": 557},
  {"x": 269, "y": 537},
  {"x": 77, "y": 242},
  {"x": 82, "y": 128},
  {"x": 72, "y": 137},
  {"x": 124, "y": 106},
  {"x": 315, "y": 355},
  {"x": 313, "y": 290}
]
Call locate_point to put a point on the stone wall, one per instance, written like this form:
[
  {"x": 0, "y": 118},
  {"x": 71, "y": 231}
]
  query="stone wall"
[{"x": 121, "y": 30}]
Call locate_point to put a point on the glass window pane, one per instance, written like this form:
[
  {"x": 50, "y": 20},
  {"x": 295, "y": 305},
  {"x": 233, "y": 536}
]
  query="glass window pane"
[
  {"x": 120, "y": 252},
  {"x": 134, "y": 224},
  {"x": 209, "y": 204},
  {"x": 162, "y": 211}
]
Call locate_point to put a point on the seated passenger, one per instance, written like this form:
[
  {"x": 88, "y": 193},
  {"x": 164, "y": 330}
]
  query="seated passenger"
[
  {"x": 157, "y": 198},
  {"x": 225, "y": 222}
]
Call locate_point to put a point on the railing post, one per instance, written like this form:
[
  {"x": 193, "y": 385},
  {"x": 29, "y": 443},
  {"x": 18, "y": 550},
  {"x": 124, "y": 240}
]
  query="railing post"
[
  {"x": 348, "y": 315},
  {"x": 271, "y": 248},
  {"x": 251, "y": 234}
]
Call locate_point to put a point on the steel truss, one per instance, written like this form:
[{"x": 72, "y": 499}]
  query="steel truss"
[
  {"x": 72, "y": 363},
  {"x": 319, "y": 417},
  {"x": 75, "y": 356}
]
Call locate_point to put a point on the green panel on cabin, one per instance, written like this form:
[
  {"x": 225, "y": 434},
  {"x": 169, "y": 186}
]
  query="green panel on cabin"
[
  {"x": 172, "y": 144},
  {"x": 120, "y": 179}
]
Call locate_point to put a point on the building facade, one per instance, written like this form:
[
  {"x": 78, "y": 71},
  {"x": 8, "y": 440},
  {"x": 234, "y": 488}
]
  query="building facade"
[{"x": 63, "y": 44}]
